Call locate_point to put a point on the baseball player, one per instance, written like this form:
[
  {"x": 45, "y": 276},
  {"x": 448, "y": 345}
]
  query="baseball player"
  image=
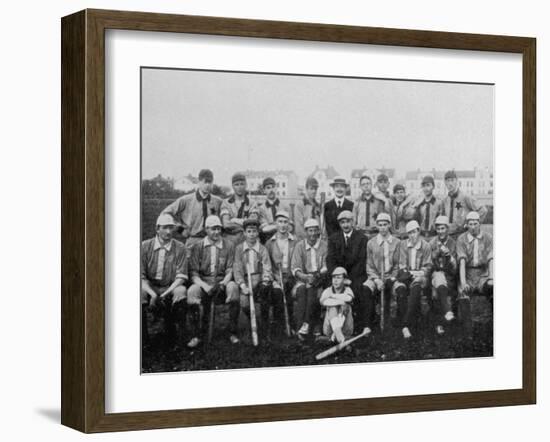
[
  {"x": 348, "y": 249},
  {"x": 190, "y": 211},
  {"x": 427, "y": 208},
  {"x": 268, "y": 210},
  {"x": 403, "y": 212},
  {"x": 281, "y": 247},
  {"x": 235, "y": 209},
  {"x": 309, "y": 268},
  {"x": 444, "y": 272},
  {"x": 415, "y": 265},
  {"x": 474, "y": 251},
  {"x": 338, "y": 322},
  {"x": 382, "y": 266},
  {"x": 366, "y": 208},
  {"x": 307, "y": 208},
  {"x": 456, "y": 205},
  {"x": 335, "y": 206},
  {"x": 211, "y": 269},
  {"x": 163, "y": 278},
  {"x": 253, "y": 257}
]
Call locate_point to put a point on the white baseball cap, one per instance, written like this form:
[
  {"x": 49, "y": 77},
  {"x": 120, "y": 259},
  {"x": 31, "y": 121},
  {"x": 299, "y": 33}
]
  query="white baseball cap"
[
  {"x": 383, "y": 217},
  {"x": 442, "y": 220},
  {"x": 472, "y": 216},
  {"x": 165, "y": 219},
  {"x": 212, "y": 221},
  {"x": 312, "y": 222},
  {"x": 411, "y": 225}
]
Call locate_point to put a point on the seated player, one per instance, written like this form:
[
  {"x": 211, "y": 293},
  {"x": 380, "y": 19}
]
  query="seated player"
[
  {"x": 382, "y": 266},
  {"x": 338, "y": 323},
  {"x": 309, "y": 268},
  {"x": 211, "y": 269},
  {"x": 444, "y": 273},
  {"x": 252, "y": 258},
  {"x": 163, "y": 275},
  {"x": 415, "y": 265}
]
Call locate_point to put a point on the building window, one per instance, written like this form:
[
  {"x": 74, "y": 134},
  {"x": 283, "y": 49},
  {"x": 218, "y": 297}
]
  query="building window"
[{"x": 284, "y": 185}]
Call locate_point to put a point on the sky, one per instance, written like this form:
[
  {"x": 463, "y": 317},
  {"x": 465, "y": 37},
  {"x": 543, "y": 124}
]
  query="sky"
[{"x": 229, "y": 122}]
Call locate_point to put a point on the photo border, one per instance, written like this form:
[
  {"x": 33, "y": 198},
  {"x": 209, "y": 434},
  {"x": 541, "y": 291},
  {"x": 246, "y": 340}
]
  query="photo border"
[{"x": 83, "y": 219}]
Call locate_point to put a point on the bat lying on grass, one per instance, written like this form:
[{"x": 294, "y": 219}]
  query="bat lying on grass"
[{"x": 339, "y": 346}]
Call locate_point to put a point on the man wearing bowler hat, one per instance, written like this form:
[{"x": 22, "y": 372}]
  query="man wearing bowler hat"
[
  {"x": 337, "y": 205},
  {"x": 190, "y": 211},
  {"x": 307, "y": 208},
  {"x": 456, "y": 205},
  {"x": 235, "y": 209},
  {"x": 348, "y": 249}
]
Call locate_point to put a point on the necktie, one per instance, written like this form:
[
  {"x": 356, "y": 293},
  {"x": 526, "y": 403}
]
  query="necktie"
[
  {"x": 367, "y": 213},
  {"x": 451, "y": 210},
  {"x": 240, "y": 212},
  {"x": 273, "y": 209},
  {"x": 476, "y": 251},
  {"x": 386, "y": 252},
  {"x": 204, "y": 211},
  {"x": 427, "y": 217},
  {"x": 339, "y": 204}
]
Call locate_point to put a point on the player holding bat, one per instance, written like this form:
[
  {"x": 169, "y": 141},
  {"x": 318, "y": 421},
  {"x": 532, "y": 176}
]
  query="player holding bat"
[{"x": 252, "y": 272}]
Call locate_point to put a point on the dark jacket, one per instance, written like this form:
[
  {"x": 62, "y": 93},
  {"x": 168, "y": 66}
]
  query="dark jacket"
[
  {"x": 353, "y": 257},
  {"x": 331, "y": 214}
]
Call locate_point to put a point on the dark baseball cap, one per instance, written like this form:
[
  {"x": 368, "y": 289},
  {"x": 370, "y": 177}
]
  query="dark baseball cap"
[
  {"x": 428, "y": 179},
  {"x": 450, "y": 174},
  {"x": 398, "y": 187},
  {"x": 382, "y": 178},
  {"x": 312, "y": 182},
  {"x": 206, "y": 175},
  {"x": 267, "y": 181},
  {"x": 238, "y": 177}
]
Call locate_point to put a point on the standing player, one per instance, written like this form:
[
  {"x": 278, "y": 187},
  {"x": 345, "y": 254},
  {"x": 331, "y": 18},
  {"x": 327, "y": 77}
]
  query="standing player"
[
  {"x": 415, "y": 265},
  {"x": 338, "y": 204},
  {"x": 307, "y": 208},
  {"x": 235, "y": 209},
  {"x": 348, "y": 249},
  {"x": 163, "y": 275},
  {"x": 382, "y": 266},
  {"x": 474, "y": 250},
  {"x": 444, "y": 272},
  {"x": 280, "y": 248},
  {"x": 403, "y": 212},
  {"x": 190, "y": 211},
  {"x": 211, "y": 268},
  {"x": 309, "y": 268},
  {"x": 456, "y": 205},
  {"x": 428, "y": 208},
  {"x": 366, "y": 208},
  {"x": 252, "y": 257},
  {"x": 268, "y": 210}
]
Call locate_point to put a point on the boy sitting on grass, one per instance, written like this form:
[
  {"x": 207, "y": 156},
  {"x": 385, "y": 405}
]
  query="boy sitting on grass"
[{"x": 338, "y": 323}]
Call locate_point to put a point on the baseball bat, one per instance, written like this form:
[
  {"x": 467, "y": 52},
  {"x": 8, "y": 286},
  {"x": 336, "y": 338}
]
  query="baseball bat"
[
  {"x": 382, "y": 301},
  {"x": 253, "y": 324},
  {"x": 339, "y": 346},
  {"x": 285, "y": 307},
  {"x": 322, "y": 215},
  {"x": 211, "y": 320}
]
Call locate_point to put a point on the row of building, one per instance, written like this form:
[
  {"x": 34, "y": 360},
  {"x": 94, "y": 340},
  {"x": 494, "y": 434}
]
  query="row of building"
[{"x": 478, "y": 181}]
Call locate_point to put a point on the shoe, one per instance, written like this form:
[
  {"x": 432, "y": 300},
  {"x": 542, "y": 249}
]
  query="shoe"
[
  {"x": 194, "y": 342},
  {"x": 367, "y": 331},
  {"x": 440, "y": 330},
  {"x": 304, "y": 329},
  {"x": 234, "y": 339},
  {"x": 449, "y": 316},
  {"x": 406, "y": 333}
]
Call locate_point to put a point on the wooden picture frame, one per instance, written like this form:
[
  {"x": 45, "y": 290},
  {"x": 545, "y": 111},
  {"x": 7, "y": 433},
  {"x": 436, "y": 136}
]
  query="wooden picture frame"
[{"x": 83, "y": 220}]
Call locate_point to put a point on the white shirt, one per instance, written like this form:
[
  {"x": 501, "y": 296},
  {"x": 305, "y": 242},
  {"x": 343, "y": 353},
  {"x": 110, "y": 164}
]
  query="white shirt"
[
  {"x": 339, "y": 201},
  {"x": 475, "y": 239},
  {"x": 313, "y": 252},
  {"x": 412, "y": 253}
]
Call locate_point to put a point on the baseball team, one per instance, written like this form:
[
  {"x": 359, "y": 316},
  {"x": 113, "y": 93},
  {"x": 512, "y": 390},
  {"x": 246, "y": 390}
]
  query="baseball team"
[{"x": 315, "y": 270}]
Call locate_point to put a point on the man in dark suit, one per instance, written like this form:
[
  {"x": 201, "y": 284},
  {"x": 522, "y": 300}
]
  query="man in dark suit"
[
  {"x": 348, "y": 248},
  {"x": 336, "y": 205}
]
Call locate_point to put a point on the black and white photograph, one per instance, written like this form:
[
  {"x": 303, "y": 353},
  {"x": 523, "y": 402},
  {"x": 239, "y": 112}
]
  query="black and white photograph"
[{"x": 297, "y": 220}]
